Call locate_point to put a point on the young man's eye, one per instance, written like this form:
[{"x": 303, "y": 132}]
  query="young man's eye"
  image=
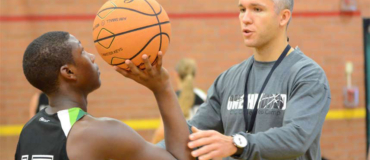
[{"x": 242, "y": 9}]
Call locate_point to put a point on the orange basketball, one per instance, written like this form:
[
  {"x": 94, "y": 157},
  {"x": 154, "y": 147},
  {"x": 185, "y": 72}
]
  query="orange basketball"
[{"x": 127, "y": 29}]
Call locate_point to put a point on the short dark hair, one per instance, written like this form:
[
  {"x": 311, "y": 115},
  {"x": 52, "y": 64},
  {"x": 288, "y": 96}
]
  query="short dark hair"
[{"x": 43, "y": 59}]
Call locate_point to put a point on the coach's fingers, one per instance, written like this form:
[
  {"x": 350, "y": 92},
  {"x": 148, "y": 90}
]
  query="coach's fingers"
[
  {"x": 148, "y": 66},
  {"x": 194, "y": 129},
  {"x": 201, "y": 142},
  {"x": 201, "y": 134},
  {"x": 203, "y": 150},
  {"x": 159, "y": 61},
  {"x": 210, "y": 155}
]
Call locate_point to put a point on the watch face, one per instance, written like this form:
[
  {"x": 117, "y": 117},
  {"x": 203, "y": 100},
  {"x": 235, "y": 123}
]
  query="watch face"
[{"x": 240, "y": 141}]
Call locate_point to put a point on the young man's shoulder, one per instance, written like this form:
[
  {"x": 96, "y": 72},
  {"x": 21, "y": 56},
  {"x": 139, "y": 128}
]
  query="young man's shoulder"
[
  {"x": 96, "y": 136},
  {"x": 92, "y": 127},
  {"x": 32, "y": 122}
]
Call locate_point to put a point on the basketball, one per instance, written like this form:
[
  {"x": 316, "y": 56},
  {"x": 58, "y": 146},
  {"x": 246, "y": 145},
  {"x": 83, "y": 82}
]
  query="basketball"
[{"x": 128, "y": 29}]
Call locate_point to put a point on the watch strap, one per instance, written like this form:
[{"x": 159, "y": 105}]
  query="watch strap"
[{"x": 239, "y": 151}]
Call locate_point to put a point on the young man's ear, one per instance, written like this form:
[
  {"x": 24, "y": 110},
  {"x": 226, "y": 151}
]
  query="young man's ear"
[{"x": 67, "y": 72}]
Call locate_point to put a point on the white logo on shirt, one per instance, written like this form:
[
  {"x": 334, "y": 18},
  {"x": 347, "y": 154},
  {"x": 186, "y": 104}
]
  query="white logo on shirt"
[
  {"x": 42, "y": 119},
  {"x": 267, "y": 101}
]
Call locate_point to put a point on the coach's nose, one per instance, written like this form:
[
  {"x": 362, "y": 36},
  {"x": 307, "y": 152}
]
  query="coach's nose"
[{"x": 246, "y": 17}]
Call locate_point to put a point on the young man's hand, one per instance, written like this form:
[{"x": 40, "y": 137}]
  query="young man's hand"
[
  {"x": 212, "y": 144},
  {"x": 156, "y": 78}
]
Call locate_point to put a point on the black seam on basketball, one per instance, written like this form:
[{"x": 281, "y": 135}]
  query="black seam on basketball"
[
  {"x": 109, "y": 12},
  {"x": 110, "y": 42},
  {"x": 124, "y": 8},
  {"x": 139, "y": 51},
  {"x": 155, "y": 60},
  {"x": 128, "y": 1},
  {"x": 159, "y": 24},
  {"x": 122, "y": 33}
]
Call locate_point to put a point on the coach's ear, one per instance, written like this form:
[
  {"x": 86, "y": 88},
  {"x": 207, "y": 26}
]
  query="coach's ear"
[
  {"x": 285, "y": 16},
  {"x": 67, "y": 72}
]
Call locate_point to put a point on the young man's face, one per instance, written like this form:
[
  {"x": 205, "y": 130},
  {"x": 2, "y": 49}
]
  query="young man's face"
[
  {"x": 87, "y": 71},
  {"x": 259, "y": 22}
]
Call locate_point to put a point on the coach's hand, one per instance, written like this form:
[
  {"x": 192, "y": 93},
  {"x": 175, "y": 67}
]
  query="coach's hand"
[
  {"x": 156, "y": 78},
  {"x": 212, "y": 144}
]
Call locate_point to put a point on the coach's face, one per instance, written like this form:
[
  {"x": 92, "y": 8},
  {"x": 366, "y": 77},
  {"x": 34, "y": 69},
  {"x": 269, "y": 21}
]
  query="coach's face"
[{"x": 259, "y": 22}]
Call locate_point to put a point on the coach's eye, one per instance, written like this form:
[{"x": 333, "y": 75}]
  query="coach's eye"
[
  {"x": 242, "y": 10},
  {"x": 257, "y": 9}
]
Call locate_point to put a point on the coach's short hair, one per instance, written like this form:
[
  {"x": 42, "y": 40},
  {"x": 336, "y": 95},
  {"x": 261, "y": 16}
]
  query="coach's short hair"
[
  {"x": 284, "y": 4},
  {"x": 43, "y": 59}
]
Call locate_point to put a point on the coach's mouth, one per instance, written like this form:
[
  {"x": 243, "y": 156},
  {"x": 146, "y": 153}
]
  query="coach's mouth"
[{"x": 247, "y": 32}]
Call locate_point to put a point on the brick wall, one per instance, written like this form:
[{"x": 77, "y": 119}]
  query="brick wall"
[{"x": 216, "y": 44}]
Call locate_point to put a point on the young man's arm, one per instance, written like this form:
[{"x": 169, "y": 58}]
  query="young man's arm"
[
  {"x": 105, "y": 138},
  {"x": 156, "y": 78},
  {"x": 208, "y": 115}
]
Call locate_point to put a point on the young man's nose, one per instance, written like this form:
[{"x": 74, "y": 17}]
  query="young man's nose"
[{"x": 92, "y": 57}]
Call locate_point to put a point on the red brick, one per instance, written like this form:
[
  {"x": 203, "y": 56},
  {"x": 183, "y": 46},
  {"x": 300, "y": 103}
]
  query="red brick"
[{"x": 216, "y": 44}]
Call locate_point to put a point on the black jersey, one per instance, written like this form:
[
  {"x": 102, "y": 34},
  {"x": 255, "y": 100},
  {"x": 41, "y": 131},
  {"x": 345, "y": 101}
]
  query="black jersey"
[
  {"x": 44, "y": 137},
  {"x": 42, "y": 103}
]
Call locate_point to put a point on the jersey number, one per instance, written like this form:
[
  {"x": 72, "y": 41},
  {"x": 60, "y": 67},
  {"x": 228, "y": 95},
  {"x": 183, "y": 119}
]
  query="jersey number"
[{"x": 38, "y": 157}]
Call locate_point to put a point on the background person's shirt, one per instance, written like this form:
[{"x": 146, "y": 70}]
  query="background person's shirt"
[{"x": 199, "y": 99}]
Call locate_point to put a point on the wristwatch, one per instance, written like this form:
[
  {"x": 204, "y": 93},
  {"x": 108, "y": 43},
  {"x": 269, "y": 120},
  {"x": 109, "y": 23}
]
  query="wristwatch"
[{"x": 240, "y": 143}]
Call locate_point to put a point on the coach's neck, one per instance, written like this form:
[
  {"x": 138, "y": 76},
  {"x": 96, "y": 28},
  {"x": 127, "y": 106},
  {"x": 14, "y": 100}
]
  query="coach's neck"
[{"x": 271, "y": 50}]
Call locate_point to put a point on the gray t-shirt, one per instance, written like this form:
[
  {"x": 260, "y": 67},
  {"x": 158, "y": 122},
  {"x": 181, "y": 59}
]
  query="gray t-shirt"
[{"x": 291, "y": 110}]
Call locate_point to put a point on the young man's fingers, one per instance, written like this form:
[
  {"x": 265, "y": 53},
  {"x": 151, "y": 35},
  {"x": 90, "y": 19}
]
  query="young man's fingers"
[
  {"x": 159, "y": 61},
  {"x": 120, "y": 70},
  {"x": 148, "y": 66},
  {"x": 134, "y": 69},
  {"x": 125, "y": 73},
  {"x": 203, "y": 151},
  {"x": 201, "y": 142}
]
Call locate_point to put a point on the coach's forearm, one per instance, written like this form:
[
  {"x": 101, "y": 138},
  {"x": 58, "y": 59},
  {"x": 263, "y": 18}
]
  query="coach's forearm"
[{"x": 175, "y": 127}]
